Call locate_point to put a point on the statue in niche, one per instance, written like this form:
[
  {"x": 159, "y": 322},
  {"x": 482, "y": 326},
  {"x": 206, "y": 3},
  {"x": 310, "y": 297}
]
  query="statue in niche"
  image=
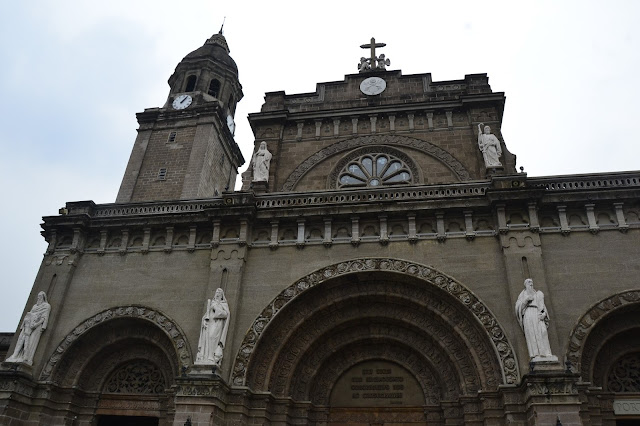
[
  {"x": 489, "y": 146},
  {"x": 261, "y": 162},
  {"x": 382, "y": 62},
  {"x": 364, "y": 65},
  {"x": 33, "y": 324},
  {"x": 213, "y": 330},
  {"x": 534, "y": 320}
]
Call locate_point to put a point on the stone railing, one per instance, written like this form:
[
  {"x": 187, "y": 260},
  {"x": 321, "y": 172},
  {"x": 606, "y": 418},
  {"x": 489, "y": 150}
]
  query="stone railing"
[
  {"x": 360, "y": 196},
  {"x": 580, "y": 182},
  {"x": 115, "y": 210},
  {"x": 403, "y": 193}
]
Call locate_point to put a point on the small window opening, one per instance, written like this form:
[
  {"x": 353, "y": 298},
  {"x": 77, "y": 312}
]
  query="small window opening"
[
  {"x": 162, "y": 173},
  {"x": 172, "y": 136},
  {"x": 222, "y": 161},
  {"x": 214, "y": 88},
  {"x": 191, "y": 83}
]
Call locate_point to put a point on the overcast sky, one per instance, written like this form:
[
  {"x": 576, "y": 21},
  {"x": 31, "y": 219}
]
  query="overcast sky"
[{"x": 74, "y": 73}]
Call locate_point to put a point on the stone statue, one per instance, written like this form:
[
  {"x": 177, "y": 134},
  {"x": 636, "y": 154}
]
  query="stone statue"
[
  {"x": 261, "y": 161},
  {"x": 382, "y": 62},
  {"x": 364, "y": 65},
  {"x": 534, "y": 319},
  {"x": 213, "y": 330},
  {"x": 489, "y": 146},
  {"x": 33, "y": 324}
]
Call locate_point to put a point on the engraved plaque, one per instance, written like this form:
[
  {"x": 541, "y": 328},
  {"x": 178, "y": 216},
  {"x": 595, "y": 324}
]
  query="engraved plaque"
[
  {"x": 377, "y": 384},
  {"x": 626, "y": 407}
]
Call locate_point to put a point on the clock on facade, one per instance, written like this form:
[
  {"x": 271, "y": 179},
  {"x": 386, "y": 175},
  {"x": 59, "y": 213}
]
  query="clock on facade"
[
  {"x": 182, "y": 101},
  {"x": 373, "y": 86}
]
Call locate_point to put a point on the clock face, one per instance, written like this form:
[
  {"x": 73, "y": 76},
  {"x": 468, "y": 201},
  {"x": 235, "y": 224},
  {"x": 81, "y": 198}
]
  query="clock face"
[
  {"x": 182, "y": 101},
  {"x": 373, "y": 86}
]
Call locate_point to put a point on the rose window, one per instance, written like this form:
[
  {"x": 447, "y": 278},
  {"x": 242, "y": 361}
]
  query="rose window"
[{"x": 374, "y": 170}]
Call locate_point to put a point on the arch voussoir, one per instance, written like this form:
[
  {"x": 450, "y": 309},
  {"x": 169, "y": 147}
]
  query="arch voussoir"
[{"x": 465, "y": 299}]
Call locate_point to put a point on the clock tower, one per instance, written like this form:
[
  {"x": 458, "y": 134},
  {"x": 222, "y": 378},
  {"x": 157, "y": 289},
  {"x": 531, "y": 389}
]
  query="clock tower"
[{"x": 185, "y": 149}]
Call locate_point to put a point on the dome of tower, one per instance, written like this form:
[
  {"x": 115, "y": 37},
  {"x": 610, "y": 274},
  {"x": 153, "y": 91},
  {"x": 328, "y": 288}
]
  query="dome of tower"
[{"x": 215, "y": 49}]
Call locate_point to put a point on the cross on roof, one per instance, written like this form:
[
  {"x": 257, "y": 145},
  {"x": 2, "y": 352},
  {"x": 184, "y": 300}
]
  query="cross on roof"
[{"x": 373, "y": 46}]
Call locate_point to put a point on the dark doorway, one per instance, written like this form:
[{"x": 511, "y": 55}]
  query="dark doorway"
[
  {"x": 629, "y": 422},
  {"x": 127, "y": 421}
]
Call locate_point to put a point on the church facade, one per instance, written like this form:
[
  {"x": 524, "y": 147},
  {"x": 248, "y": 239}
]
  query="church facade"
[{"x": 383, "y": 263}]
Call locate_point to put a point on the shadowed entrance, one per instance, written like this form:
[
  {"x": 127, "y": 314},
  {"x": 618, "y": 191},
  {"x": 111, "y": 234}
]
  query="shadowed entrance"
[{"x": 377, "y": 347}]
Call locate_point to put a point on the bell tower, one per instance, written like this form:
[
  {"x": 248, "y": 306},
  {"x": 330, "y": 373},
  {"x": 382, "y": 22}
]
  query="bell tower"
[{"x": 185, "y": 149}]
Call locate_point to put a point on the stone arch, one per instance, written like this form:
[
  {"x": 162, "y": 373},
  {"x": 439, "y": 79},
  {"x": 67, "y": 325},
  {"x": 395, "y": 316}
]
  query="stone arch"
[
  {"x": 466, "y": 323},
  {"x": 144, "y": 325},
  {"x": 361, "y": 141},
  {"x": 609, "y": 328}
]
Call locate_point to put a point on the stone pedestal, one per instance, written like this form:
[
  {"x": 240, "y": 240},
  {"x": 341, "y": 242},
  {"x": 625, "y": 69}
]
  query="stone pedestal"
[
  {"x": 259, "y": 187},
  {"x": 551, "y": 394},
  {"x": 202, "y": 370},
  {"x": 18, "y": 367}
]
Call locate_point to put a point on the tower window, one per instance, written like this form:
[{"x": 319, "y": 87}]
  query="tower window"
[
  {"x": 214, "y": 88},
  {"x": 162, "y": 173},
  {"x": 172, "y": 137},
  {"x": 191, "y": 83}
]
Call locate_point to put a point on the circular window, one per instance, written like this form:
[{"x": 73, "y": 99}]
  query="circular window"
[{"x": 371, "y": 170}]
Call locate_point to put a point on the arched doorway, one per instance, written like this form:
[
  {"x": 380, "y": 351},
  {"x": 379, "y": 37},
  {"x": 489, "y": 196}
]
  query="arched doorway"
[
  {"x": 120, "y": 366},
  {"x": 605, "y": 346},
  {"x": 362, "y": 327}
]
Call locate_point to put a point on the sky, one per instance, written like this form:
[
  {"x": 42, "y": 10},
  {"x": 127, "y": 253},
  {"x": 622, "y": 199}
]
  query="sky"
[{"x": 73, "y": 74}]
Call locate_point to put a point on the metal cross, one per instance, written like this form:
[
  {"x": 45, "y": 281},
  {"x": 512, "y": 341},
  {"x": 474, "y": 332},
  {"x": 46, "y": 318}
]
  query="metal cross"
[{"x": 373, "y": 46}]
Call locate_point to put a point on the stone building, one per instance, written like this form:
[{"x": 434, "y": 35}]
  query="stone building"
[{"x": 370, "y": 269}]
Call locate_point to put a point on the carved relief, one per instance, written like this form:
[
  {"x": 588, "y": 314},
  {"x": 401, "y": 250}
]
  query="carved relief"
[
  {"x": 137, "y": 377},
  {"x": 585, "y": 325},
  {"x": 501, "y": 346},
  {"x": 88, "y": 366},
  {"x": 424, "y": 146},
  {"x": 169, "y": 328},
  {"x": 624, "y": 375}
]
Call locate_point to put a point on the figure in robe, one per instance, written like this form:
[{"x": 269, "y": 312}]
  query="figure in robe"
[
  {"x": 33, "y": 324},
  {"x": 213, "y": 330},
  {"x": 534, "y": 320},
  {"x": 489, "y": 146},
  {"x": 261, "y": 162}
]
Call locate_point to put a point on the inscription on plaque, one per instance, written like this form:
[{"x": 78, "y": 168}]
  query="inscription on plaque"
[
  {"x": 622, "y": 407},
  {"x": 377, "y": 384}
]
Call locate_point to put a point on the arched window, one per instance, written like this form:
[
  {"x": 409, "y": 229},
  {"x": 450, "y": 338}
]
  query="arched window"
[
  {"x": 191, "y": 83},
  {"x": 214, "y": 88},
  {"x": 374, "y": 170}
]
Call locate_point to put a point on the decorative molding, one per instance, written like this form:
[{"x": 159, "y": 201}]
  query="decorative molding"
[
  {"x": 403, "y": 141},
  {"x": 593, "y": 316},
  {"x": 502, "y": 346},
  {"x": 169, "y": 327}
]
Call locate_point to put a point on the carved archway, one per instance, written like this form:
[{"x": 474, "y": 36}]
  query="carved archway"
[
  {"x": 403, "y": 141},
  {"x": 598, "y": 325},
  {"x": 144, "y": 324},
  {"x": 301, "y": 341}
]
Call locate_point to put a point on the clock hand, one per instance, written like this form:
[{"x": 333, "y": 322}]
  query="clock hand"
[{"x": 183, "y": 100}]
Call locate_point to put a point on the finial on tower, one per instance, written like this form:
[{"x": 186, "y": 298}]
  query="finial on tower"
[
  {"x": 373, "y": 63},
  {"x": 222, "y": 26}
]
